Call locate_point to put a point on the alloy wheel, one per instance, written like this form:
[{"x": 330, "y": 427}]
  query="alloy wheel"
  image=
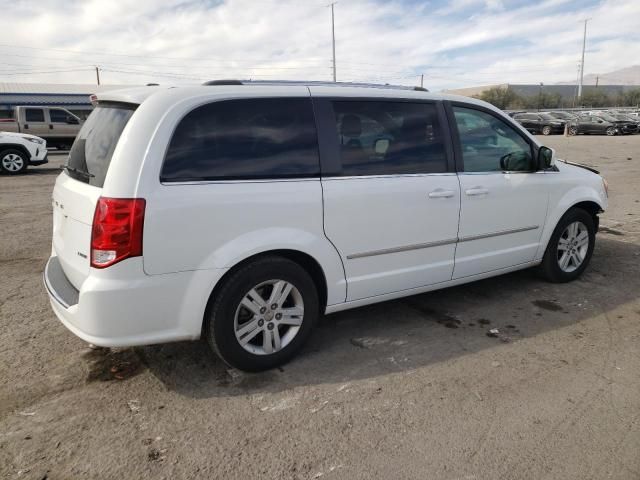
[
  {"x": 573, "y": 246},
  {"x": 12, "y": 162},
  {"x": 269, "y": 317}
]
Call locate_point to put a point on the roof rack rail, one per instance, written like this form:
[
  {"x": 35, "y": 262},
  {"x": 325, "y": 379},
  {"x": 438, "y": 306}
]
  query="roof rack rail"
[
  {"x": 310, "y": 83},
  {"x": 223, "y": 82}
]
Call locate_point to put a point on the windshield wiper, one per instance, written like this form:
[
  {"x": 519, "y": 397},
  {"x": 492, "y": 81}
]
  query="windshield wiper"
[{"x": 79, "y": 172}]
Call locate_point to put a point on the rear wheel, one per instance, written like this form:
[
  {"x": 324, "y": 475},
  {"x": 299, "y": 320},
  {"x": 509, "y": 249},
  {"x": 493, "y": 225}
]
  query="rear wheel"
[
  {"x": 573, "y": 130},
  {"x": 262, "y": 314},
  {"x": 13, "y": 161},
  {"x": 570, "y": 247},
  {"x": 546, "y": 130},
  {"x": 611, "y": 131}
]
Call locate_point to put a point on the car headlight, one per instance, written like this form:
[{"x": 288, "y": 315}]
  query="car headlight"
[{"x": 39, "y": 141}]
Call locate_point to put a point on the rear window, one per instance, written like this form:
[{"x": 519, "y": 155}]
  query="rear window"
[
  {"x": 34, "y": 115},
  {"x": 244, "y": 139},
  {"x": 91, "y": 153}
]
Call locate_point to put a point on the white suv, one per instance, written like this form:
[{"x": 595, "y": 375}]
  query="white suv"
[
  {"x": 241, "y": 212},
  {"x": 19, "y": 150}
]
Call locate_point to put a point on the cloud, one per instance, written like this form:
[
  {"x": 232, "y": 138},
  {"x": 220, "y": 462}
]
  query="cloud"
[{"x": 457, "y": 43}]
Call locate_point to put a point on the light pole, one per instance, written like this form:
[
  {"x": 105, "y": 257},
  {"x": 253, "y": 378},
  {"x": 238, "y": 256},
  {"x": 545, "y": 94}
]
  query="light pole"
[
  {"x": 584, "y": 43},
  {"x": 333, "y": 40}
]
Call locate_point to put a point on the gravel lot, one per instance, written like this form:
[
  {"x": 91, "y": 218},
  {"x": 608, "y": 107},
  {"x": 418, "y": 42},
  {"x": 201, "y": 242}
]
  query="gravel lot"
[{"x": 412, "y": 388}]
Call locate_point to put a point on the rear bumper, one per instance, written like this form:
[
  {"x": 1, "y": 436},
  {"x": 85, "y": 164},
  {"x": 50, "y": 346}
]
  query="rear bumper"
[{"x": 122, "y": 306}]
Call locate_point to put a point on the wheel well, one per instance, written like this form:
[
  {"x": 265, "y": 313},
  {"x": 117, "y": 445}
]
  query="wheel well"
[
  {"x": 592, "y": 208},
  {"x": 311, "y": 266},
  {"x": 11, "y": 146}
]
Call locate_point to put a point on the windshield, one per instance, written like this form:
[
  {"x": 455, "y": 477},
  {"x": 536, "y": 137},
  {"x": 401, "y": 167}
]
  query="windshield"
[
  {"x": 91, "y": 152},
  {"x": 546, "y": 116},
  {"x": 561, "y": 115}
]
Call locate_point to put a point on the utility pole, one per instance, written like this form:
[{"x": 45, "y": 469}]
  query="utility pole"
[
  {"x": 98, "y": 75},
  {"x": 584, "y": 44},
  {"x": 333, "y": 40}
]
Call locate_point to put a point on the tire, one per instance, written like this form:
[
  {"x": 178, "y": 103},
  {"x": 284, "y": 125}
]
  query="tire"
[
  {"x": 610, "y": 131},
  {"x": 573, "y": 130},
  {"x": 546, "y": 130},
  {"x": 555, "y": 267},
  {"x": 228, "y": 320},
  {"x": 13, "y": 162}
]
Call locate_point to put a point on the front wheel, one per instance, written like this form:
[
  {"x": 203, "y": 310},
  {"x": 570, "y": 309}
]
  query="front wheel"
[
  {"x": 262, "y": 314},
  {"x": 570, "y": 247},
  {"x": 573, "y": 130},
  {"x": 12, "y": 161},
  {"x": 611, "y": 131},
  {"x": 546, "y": 130}
]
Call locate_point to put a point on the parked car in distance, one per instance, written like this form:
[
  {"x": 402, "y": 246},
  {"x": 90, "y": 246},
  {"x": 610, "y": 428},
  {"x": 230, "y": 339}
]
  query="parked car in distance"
[
  {"x": 632, "y": 124},
  {"x": 592, "y": 124},
  {"x": 540, "y": 123},
  {"x": 243, "y": 212},
  {"x": 18, "y": 151},
  {"x": 56, "y": 125}
]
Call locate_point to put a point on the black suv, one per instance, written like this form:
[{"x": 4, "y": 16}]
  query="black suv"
[{"x": 540, "y": 123}]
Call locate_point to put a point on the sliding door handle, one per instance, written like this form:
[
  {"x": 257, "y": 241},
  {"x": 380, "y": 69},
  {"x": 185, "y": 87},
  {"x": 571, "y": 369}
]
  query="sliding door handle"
[
  {"x": 439, "y": 193},
  {"x": 476, "y": 191}
]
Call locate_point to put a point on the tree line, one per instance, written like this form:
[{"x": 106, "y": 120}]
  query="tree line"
[{"x": 506, "y": 99}]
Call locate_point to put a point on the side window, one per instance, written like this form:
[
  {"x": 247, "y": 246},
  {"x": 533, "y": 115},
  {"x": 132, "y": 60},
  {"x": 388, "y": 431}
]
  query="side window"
[
  {"x": 490, "y": 145},
  {"x": 389, "y": 138},
  {"x": 58, "y": 116},
  {"x": 34, "y": 115},
  {"x": 244, "y": 139}
]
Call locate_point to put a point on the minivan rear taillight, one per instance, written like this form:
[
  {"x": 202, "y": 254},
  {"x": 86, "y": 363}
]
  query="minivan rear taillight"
[{"x": 116, "y": 233}]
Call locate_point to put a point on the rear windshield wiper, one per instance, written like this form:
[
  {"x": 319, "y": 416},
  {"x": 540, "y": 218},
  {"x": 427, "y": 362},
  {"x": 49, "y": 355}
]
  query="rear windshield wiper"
[{"x": 79, "y": 172}]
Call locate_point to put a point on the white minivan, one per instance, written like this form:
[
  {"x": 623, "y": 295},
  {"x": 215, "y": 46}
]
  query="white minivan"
[{"x": 240, "y": 212}]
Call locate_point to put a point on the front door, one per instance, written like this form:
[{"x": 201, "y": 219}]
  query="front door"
[
  {"x": 503, "y": 196},
  {"x": 391, "y": 207},
  {"x": 63, "y": 124}
]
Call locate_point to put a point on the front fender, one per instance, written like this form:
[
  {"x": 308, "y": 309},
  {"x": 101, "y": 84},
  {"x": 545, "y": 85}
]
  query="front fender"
[{"x": 560, "y": 206}]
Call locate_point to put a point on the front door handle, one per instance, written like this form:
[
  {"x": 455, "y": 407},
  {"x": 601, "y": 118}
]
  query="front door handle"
[
  {"x": 439, "y": 193},
  {"x": 476, "y": 191}
]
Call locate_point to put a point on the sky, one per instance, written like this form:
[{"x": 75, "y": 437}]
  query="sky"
[{"x": 459, "y": 43}]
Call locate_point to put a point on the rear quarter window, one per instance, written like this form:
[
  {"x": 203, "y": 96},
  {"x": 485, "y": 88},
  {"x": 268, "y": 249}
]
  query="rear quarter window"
[
  {"x": 244, "y": 139},
  {"x": 91, "y": 153}
]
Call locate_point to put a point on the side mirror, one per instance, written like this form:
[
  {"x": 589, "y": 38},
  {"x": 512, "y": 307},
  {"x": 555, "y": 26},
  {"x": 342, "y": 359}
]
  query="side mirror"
[
  {"x": 546, "y": 158},
  {"x": 381, "y": 146}
]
